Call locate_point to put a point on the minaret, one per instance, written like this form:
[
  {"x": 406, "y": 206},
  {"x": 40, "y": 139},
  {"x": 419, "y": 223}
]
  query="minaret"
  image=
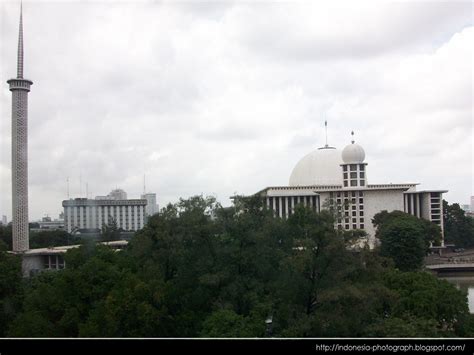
[{"x": 20, "y": 88}]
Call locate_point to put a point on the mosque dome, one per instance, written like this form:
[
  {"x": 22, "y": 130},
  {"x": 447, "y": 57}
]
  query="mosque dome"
[
  {"x": 320, "y": 167},
  {"x": 353, "y": 153}
]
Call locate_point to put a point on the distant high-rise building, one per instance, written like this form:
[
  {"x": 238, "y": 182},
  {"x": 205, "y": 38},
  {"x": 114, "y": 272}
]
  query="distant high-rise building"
[
  {"x": 466, "y": 208},
  {"x": 151, "y": 207},
  {"x": 117, "y": 194},
  {"x": 83, "y": 213},
  {"x": 472, "y": 203},
  {"x": 20, "y": 88},
  {"x": 4, "y": 220}
]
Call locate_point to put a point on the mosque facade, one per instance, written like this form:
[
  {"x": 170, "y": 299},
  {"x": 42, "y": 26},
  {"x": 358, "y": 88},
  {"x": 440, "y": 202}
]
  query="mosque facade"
[{"x": 329, "y": 178}]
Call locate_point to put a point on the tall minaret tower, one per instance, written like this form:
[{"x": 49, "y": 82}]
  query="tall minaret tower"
[{"x": 20, "y": 88}]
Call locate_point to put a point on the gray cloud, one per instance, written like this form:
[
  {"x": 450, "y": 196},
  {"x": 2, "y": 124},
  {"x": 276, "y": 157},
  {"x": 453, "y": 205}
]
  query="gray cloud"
[{"x": 218, "y": 98}]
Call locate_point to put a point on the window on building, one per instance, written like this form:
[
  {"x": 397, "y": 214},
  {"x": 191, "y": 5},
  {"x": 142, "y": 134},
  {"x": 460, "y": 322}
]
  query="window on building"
[
  {"x": 345, "y": 176},
  {"x": 353, "y": 167},
  {"x": 345, "y": 183},
  {"x": 362, "y": 183},
  {"x": 344, "y": 168},
  {"x": 353, "y": 182},
  {"x": 354, "y": 226},
  {"x": 354, "y": 213},
  {"x": 346, "y": 193},
  {"x": 361, "y": 174},
  {"x": 361, "y": 213},
  {"x": 361, "y": 220},
  {"x": 361, "y": 200},
  {"x": 353, "y": 175},
  {"x": 362, "y": 226},
  {"x": 346, "y": 226},
  {"x": 361, "y": 167},
  {"x": 354, "y": 208}
]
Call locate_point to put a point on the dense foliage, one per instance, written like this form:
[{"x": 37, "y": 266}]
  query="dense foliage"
[
  {"x": 200, "y": 270},
  {"x": 458, "y": 228},
  {"x": 405, "y": 238}
]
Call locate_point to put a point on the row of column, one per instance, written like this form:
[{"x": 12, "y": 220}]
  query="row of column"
[
  {"x": 283, "y": 206},
  {"x": 127, "y": 217}
]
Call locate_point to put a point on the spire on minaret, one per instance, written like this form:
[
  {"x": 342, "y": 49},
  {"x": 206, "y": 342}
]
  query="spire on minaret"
[
  {"x": 326, "y": 125},
  {"x": 20, "y": 46}
]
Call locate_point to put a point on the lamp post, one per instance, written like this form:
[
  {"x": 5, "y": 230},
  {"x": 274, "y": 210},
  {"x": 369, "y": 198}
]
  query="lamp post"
[{"x": 269, "y": 326}]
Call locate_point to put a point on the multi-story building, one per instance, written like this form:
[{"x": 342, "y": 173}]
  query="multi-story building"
[
  {"x": 151, "y": 207},
  {"x": 328, "y": 178},
  {"x": 83, "y": 213}
]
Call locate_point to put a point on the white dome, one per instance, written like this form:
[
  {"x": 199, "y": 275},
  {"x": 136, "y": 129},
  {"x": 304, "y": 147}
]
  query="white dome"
[
  {"x": 320, "y": 167},
  {"x": 353, "y": 153}
]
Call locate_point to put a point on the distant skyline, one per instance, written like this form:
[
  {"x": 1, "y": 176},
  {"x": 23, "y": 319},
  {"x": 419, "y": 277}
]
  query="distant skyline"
[{"x": 226, "y": 97}]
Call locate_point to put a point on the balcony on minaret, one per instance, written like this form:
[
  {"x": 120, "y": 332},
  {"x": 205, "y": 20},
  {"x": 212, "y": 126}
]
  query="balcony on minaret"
[{"x": 20, "y": 84}]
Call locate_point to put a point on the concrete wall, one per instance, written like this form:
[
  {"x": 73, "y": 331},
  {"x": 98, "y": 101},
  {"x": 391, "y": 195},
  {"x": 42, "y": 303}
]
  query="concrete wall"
[
  {"x": 377, "y": 201},
  {"x": 30, "y": 263}
]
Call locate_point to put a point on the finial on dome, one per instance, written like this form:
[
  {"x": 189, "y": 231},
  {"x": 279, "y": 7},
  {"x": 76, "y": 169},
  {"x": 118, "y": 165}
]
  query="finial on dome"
[
  {"x": 352, "y": 134},
  {"x": 326, "y": 146}
]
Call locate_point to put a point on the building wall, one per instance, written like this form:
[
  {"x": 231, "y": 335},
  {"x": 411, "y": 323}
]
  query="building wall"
[
  {"x": 31, "y": 263},
  {"x": 85, "y": 213},
  {"x": 151, "y": 207},
  {"x": 377, "y": 201}
]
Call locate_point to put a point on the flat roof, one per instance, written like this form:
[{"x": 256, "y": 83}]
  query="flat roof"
[
  {"x": 64, "y": 248},
  {"x": 329, "y": 188}
]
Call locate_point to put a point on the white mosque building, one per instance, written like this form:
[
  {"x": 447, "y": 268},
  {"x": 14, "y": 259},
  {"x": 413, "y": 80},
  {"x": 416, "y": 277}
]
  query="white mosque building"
[{"x": 328, "y": 176}]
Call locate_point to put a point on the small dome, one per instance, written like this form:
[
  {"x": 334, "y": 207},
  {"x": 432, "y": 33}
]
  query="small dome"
[
  {"x": 320, "y": 167},
  {"x": 353, "y": 153}
]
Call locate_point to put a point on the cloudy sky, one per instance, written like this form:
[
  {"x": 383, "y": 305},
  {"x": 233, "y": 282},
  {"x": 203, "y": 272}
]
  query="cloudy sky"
[{"x": 225, "y": 97}]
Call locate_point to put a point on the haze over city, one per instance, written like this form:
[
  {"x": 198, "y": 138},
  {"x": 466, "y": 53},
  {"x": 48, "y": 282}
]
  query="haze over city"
[{"x": 225, "y": 97}]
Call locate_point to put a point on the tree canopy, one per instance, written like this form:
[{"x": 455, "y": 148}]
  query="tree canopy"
[
  {"x": 198, "y": 269},
  {"x": 405, "y": 238},
  {"x": 458, "y": 228}
]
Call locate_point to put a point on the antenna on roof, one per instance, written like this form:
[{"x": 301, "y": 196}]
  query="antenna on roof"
[
  {"x": 352, "y": 134},
  {"x": 326, "y": 125},
  {"x": 67, "y": 182}
]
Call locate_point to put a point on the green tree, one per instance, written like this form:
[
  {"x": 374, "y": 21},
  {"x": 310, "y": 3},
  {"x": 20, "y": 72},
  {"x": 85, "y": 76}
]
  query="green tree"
[
  {"x": 45, "y": 239},
  {"x": 458, "y": 228},
  {"x": 424, "y": 296},
  {"x": 404, "y": 238},
  {"x": 10, "y": 287},
  {"x": 110, "y": 231},
  {"x": 6, "y": 235}
]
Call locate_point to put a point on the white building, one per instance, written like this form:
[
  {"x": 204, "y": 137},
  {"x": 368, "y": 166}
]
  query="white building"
[
  {"x": 83, "y": 213},
  {"x": 42, "y": 259},
  {"x": 151, "y": 207},
  {"x": 117, "y": 194},
  {"x": 328, "y": 177}
]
